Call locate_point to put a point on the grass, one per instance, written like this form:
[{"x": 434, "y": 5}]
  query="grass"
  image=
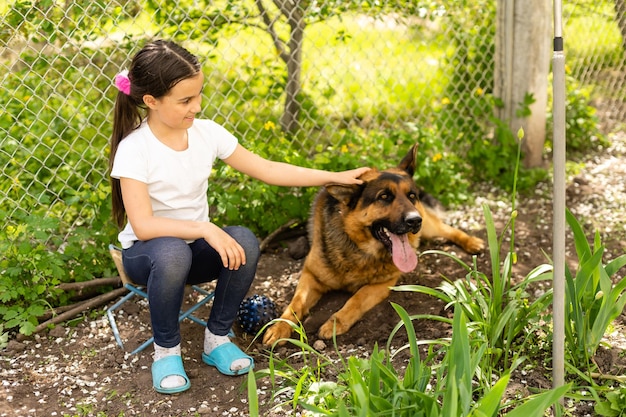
[
  {"x": 366, "y": 85},
  {"x": 361, "y": 86},
  {"x": 580, "y": 22},
  {"x": 588, "y": 56}
]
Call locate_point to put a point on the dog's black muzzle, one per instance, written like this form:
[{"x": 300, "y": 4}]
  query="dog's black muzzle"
[{"x": 413, "y": 222}]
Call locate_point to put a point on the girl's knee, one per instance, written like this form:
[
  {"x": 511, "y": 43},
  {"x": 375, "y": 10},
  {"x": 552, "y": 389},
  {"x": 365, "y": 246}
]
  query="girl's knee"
[{"x": 248, "y": 240}]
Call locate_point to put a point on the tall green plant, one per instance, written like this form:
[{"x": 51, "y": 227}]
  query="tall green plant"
[
  {"x": 593, "y": 301},
  {"x": 499, "y": 309},
  {"x": 463, "y": 361},
  {"x": 428, "y": 388}
]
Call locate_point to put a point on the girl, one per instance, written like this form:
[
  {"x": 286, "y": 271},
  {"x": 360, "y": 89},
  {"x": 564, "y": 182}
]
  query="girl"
[{"x": 160, "y": 162}]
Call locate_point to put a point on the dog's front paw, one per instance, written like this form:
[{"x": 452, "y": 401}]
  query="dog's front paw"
[
  {"x": 474, "y": 245},
  {"x": 277, "y": 331},
  {"x": 332, "y": 325}
]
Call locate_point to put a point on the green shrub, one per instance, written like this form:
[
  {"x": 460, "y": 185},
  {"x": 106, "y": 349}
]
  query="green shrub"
[
  {"x": 613, "y": 405},
  {"x": 31, "y": 272},
  {"x": 582, "y": 125},
  {"x": 36, "y": 259},
  {"x": 238, "y": 199}
]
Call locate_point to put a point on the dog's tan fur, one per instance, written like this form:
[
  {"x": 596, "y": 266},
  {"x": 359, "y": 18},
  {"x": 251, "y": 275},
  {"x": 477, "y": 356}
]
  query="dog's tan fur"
[{"x": 347, "y": 252}]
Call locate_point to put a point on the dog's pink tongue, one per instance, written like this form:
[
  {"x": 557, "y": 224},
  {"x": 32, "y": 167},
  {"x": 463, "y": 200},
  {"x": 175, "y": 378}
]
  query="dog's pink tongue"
[{"x": 403, "y": 254}]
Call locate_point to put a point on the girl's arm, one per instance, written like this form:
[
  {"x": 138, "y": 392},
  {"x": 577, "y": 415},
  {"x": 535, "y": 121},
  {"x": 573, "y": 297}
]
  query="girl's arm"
[
  {"x": 283, "y": 174},
  {"x": 146, "y": 226}
]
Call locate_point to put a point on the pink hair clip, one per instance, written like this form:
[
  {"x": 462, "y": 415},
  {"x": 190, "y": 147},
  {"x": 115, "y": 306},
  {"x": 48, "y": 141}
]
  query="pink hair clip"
[{"x": 122, "y": 82}]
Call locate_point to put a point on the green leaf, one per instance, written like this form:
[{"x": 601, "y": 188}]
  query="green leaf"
[
  {"x": 536, "y": 405},
  {"x": 10, "y": 314},
  {"x": 253, "y": 398},
  {"x": 27, "y": 328},
  {"x": 13, "y": 322},
  {"x": 35, "y": 310},
  {"x": 606, "y": 409},
  {"x": 489, "y": 404}
]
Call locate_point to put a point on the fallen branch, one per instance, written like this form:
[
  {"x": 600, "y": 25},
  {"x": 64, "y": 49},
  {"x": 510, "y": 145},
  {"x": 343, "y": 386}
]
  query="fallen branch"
[
  {"x": 617, "y": 378},
  {"x": 58, "y": 310},
  {"x": 266, "y": 242},
  {"x": 86, "y": 305},
  {"x": 98, "y": 282}
]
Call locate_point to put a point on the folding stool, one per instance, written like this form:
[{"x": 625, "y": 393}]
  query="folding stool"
[{"x": 135, "y": 289}]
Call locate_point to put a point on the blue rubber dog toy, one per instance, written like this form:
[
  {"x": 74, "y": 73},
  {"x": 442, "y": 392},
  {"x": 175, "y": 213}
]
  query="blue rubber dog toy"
[{"x": 255, "y": 312}]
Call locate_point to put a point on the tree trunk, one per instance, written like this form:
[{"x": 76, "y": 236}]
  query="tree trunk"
[
  {"x": 290, "y": 52},
  {"x": 620, "y": 13},
  {"x": 522, "y": 67},
  {"x": 290, "y": 118}
]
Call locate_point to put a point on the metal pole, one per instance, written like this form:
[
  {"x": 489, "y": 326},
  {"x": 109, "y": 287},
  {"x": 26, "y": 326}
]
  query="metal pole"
[{"x": 558, "y": 242}]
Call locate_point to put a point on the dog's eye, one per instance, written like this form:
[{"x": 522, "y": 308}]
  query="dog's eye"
[
  {"x": 385, "y": 197},
  {"x": 412, "y": 197}
]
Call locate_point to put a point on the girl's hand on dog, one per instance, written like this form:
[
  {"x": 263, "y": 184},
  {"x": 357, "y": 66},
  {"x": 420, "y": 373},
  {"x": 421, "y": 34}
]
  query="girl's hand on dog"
[{"x": 351, "y": 176}]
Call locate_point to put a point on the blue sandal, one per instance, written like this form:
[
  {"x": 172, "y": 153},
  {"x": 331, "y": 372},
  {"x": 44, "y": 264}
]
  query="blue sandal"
[
  {"x": 224, "y": 355},
  {"x": 168, "y": 366}
]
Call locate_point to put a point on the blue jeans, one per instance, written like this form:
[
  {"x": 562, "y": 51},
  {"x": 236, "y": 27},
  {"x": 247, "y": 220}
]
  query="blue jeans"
[{"x": 165, "y": 265}]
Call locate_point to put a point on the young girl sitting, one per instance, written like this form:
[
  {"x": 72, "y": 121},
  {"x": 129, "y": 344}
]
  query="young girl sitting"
[{"x": 161, "y": 159}]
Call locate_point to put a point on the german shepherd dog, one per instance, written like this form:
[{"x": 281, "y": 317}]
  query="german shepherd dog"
[{"x": 363, "y": 238}]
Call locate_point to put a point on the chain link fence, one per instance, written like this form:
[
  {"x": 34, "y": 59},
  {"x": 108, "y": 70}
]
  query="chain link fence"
[{"x": 363, "y": 67}]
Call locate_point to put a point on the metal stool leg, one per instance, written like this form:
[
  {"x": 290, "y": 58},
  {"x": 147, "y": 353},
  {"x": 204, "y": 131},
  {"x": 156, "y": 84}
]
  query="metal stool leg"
[{"x": 184, "y": 314}]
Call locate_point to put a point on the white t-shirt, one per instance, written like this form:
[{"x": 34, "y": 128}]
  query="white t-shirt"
[{"x": 177, "y": 180}]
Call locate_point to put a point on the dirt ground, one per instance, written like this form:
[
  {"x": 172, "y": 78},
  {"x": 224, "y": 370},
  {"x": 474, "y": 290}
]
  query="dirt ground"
[{"x": 77, "y": 369}]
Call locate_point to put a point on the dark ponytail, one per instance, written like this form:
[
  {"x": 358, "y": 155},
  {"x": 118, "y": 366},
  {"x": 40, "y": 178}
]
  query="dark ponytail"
[{"x": 156, "y": 68}]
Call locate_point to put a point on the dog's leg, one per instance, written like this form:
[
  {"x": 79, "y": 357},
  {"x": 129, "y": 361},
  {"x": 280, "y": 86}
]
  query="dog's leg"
[
  {"x": 433, "y": 227},
  {"x": 361, "y": 302},
  {"x": 307, "y": 294}
]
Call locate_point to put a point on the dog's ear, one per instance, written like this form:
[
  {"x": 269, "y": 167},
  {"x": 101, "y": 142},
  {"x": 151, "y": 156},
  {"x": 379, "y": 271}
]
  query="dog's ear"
[
  {"x": 408, "y": 162},
  {"x": 343, "y": 192}
]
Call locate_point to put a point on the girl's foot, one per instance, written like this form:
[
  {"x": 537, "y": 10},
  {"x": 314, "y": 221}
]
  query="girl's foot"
[
  {"x": 212, "y": 341},
  {"x": 170, "y": 381}
]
